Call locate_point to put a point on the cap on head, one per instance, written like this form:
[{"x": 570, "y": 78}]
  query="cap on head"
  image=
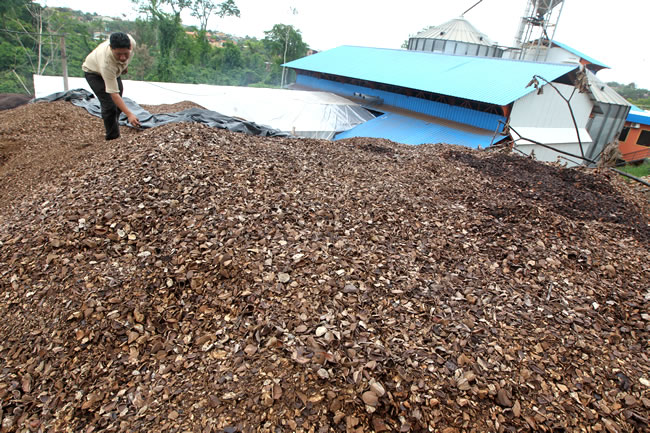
[{"x": 120, "y": 40}]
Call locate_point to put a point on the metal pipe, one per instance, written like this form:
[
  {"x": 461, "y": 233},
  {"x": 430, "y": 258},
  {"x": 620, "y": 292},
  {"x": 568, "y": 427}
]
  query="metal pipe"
[
  {"x": 476, "y": 4},
  {"x": 557, "y": 22},
  {"x": 521, "y": 137},
  {"x": 496, "y": 131},
  {"x": 622, "y": 173}
]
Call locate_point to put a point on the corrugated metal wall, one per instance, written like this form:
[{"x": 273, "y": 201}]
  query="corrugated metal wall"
[
  {"x": 546, "y": 118},
  {"x": 549, "y": 110},
  {"x": 454, "y": 47},
  {"x": 605, "y": 128},
  {"x": 437, "y": 109}
]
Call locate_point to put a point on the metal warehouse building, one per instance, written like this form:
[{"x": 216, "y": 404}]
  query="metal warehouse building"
[
  {"x": 454, "y": 85},
  {"x": 423, "y": 97}
]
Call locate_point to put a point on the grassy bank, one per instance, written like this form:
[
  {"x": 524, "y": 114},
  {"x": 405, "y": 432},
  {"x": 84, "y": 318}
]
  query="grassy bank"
[{"x": 637, "y": 170}]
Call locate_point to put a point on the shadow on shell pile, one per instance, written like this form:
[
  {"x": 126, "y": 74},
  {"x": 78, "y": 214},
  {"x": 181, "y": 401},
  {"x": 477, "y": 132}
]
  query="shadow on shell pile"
[{"x": 191, "y": 279}]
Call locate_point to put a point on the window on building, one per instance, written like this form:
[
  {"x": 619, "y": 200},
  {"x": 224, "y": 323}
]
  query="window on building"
[
  {"x": 624, "y": 133},
  {"x": 644, "y": 138}
]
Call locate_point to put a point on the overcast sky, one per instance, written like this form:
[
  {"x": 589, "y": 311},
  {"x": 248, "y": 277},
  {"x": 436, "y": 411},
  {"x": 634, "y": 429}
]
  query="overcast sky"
[{"x": 614, "y": 33}]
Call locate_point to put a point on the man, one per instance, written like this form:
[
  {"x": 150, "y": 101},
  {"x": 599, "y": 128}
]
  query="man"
[{"x": 103, "y": 68}]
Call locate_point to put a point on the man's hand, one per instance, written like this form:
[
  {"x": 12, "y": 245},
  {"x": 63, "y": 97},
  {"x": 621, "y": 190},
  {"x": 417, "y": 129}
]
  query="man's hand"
[
  {"x": 133, "y": 120},
  {"x": 117, "y": 99}
]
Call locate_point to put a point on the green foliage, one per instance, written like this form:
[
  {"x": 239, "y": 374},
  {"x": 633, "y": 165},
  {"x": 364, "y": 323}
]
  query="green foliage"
[
  {"x": 166, "y": 50},
  {"x": 13, "y": 10},
  {"x": 232, "y": 58},
  {"x": 9, "y": 83},
  {"x": 9, "y": 55},
  {"x": 78, "y": 42},
  {"x": 641, "y": 103},
  {"x": 144, "y": 32},
  {"x": 143, "y": 65},
  {"x": 638, "y": 170},
  {"x": 285, "y": 42},
  {"x": 635, "y": 95}
]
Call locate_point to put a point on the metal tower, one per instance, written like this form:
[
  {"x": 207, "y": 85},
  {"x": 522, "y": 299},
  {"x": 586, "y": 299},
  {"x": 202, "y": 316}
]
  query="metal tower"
[{"x": 537, "y": 29}]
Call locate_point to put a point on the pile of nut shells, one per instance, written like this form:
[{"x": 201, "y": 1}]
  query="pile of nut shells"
[{"x": 188, "y": 279}]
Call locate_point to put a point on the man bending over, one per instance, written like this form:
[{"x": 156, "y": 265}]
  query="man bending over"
[{"x": 103, "y": 69}]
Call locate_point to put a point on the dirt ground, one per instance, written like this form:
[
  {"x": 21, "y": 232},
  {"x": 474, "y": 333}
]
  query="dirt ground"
[{"x": 188, "y": 279}]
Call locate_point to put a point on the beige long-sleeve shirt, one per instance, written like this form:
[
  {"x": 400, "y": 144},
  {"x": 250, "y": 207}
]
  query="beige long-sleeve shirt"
[{"x": 101, "y": 61}]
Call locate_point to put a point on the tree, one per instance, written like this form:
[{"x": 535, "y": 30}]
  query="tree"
[
  {"x": 232, "y": 58},
  {"x": 77, "y": 42},
  {"x": 155, "y": 7},
  {"x": 286, "y": 43},
  {"x": 282, "y": 37},
  {"x": 164, "y": 52},
  {"x": 169, "y": 30},
  {"x": 13, "y": 9},
  {"x": 45, "y": 36},
  {"x": 630, "y": 91},
  {"x": 204, "y": 9}
]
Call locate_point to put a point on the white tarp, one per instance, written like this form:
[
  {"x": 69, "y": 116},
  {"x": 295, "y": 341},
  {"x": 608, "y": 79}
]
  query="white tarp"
[{"x": 302, "y": 113}]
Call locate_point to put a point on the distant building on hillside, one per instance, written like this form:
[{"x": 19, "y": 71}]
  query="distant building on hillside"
[
  {"x": 216, "y": 39},
  {"x": 101, "y": 36}
]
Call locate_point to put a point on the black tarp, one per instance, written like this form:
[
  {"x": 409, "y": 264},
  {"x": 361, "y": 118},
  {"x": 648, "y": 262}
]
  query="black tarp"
[
  {"x": 13, "y": 100},
  {"x": 84, "y": 98}
]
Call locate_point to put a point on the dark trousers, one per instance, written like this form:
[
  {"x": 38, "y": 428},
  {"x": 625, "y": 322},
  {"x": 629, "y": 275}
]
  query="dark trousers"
[{"x": 110, "y": 112}]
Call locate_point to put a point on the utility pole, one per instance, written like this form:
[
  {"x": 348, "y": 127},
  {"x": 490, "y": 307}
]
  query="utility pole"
[
  {"x": 286, "y": 45},
  {"x": 293, "y": 11},
  {"x": 64, "y": 64}
]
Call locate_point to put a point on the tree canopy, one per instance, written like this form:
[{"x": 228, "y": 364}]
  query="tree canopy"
[
  {"x": 167, "y": 50},
  {"x": 635, "y": 95},
  {"x": 204, "y": 9}
]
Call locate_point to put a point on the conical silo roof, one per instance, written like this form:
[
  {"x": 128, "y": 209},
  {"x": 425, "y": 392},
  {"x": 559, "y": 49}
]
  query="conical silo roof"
[{"x": 458, "y": 30}]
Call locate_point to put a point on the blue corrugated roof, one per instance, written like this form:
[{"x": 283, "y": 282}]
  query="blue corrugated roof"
[
  {"x": 409, "y": 130},
  {"x": 483, "y": 79},
  {"x": 581, "y": 55},
  {"x": 642, "y": 117}
]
